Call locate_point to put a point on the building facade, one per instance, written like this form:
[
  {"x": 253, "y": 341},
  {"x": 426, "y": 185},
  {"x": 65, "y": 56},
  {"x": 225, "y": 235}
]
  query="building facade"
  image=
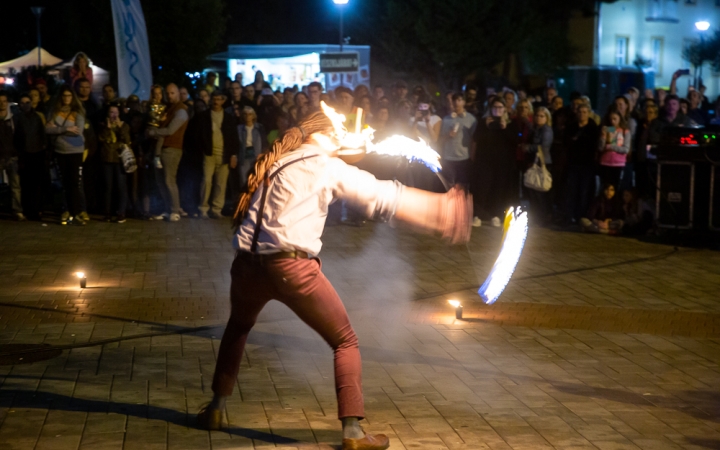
[{"x": 655, "y": 31}]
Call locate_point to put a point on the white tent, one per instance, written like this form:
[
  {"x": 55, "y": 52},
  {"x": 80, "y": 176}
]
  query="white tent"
[{"x": 30, "y": 59}]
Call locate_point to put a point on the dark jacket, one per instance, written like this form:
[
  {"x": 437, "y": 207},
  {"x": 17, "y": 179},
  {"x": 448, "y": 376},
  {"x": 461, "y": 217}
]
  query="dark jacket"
[
  {"x": 203, "y": 135},
  {"x": 111, "y": 142},
  {"x": 30, "y": 133},
  {"x": 582, "y": 143}
]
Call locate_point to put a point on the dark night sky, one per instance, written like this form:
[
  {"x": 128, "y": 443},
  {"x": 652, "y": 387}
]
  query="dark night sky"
[{"x": 69, "y": 25}]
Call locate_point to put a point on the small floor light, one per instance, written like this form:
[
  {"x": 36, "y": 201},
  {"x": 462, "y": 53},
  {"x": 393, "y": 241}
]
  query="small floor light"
[
  {"x": 83, "y": 279},
  {"x": 458, "y": 308}
]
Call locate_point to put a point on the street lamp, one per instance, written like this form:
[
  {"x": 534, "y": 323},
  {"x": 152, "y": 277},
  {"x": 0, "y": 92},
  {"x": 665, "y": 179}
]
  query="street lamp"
[
  {"x": 340, "y": 3},
  {"x": 38, "y": 10},
  {"x": 702, "y": 26}
]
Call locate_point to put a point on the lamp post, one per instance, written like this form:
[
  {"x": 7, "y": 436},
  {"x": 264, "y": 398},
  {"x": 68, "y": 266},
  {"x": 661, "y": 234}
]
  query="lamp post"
[
  {"x": 702, "y": 26},
  {"x": 38, "y": 10},
  {"x": 340, "y": 4}
]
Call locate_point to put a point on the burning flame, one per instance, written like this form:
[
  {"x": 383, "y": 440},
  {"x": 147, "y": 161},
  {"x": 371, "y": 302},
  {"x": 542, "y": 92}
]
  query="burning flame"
[
  {"x": 352, "y": 142},
  {"x": 454, "y": 303},
  {"x": 516, "y": 230},
  {"x": 410, "y": 149},
  {"x": 80, "y": 274}
]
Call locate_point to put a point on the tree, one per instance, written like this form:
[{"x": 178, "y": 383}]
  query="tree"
[
  {"x": 452, "y": 39},
  {"x": 182, "y": 35},
  {"x": 703, "y": 51}
]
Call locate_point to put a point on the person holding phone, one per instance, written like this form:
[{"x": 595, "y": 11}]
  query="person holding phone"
[
  {"x": 425, "y": 124},
  {"x": 114, "y": 135},
  {"x": 66, "y": 123}
]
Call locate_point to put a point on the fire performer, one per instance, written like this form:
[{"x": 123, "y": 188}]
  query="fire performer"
[{"x": 280, "y": 219}]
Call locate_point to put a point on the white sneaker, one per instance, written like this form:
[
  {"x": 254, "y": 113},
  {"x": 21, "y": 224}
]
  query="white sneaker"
[
  {"x": 159, "y": 217},
  {"x": 183, "y": 213},
  {"x": 496, "y": 222},
  {"x": 174, "y": 217},
  {"x": 476, "y": 222}
]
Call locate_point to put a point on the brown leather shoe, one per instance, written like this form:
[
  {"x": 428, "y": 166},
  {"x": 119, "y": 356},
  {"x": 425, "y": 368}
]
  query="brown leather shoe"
[
  {"x": 209, "y": 419},
  {"x": 369, "y": 442}
]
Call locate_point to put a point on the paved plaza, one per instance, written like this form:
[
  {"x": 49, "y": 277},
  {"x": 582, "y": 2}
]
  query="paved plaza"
[{"x": 598, "y": 342}]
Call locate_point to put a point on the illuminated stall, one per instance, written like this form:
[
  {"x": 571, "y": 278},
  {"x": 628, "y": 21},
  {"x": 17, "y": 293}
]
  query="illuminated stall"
[{"x": 289, "y": 65}]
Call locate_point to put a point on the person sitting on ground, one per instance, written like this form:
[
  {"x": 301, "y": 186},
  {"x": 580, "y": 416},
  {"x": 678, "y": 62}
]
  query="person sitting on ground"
[
  {"x": 637, "y": 216},
  {"x": 605, "y": 214}
]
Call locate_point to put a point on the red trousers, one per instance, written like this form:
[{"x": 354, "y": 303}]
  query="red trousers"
[{"x": 302, "y": 287}]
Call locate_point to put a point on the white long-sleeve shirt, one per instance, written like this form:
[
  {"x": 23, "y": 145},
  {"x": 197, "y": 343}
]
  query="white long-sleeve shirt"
[{"x": 298, "y": 198}]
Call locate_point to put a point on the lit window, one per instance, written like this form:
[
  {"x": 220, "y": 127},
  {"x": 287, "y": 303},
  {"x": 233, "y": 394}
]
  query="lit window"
[
  {"x": 621, "y": 50},
  {"x": 656, "y": 47}
]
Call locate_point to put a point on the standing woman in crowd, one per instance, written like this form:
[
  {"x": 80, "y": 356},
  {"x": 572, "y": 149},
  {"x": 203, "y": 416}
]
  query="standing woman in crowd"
[
  {"x": 523, "y": 123},
  {"x": 614, "y": 147},
  {"x": 302, "y": 104},
  {"x": 252, "y": 141},
  {"x": 426, "y": 125},
  {"x": 510, "y": 102},
  {"x": 66, "y": 123},
  {"x": 622, "y": 106},
  {"x": 495, "y": 181},
  {"x": 541, "y": 142},
  {"x": 81, "y": 69},
  {"x": 114, "y": 136}
]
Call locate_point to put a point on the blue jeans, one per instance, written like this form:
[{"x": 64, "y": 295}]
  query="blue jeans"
[{"x": 115, "y": 178}]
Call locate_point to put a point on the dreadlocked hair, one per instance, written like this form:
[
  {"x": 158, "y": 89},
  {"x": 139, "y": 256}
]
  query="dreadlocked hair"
[{"x": 293, "y": 138}]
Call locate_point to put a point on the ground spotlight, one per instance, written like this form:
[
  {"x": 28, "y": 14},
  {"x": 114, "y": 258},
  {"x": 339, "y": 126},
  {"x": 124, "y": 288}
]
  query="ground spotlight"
[
  {"x": 458, "y": 308},
  {"x": 83, "y": 279}
]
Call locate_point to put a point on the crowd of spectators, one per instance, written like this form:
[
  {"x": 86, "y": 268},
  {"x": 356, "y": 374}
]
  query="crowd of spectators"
[{"x": 62, "y": 151}]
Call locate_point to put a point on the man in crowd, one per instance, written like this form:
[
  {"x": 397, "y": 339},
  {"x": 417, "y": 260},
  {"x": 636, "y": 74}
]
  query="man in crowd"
[
  {"x": 582, "y": 141},
  {"x": 211, "y": 79},
  {"x": 378, "y": 92},
  {"x": 41, "y": 86},
  {"x": 248, "y": 93},
  {"x": 550, "y": 94},
  {"x": 217, "y": 138},
  {"x": 315, "y": 90},
  {"x": 30, "y": 145},
  {"x": 172, "y": 130},
  {"x": 108, "y": 94},
  {"x": 456, "y": 134},
  {"x": 236, "y": 97},
  {"x": 9, "y": 155},
  {"x": 471, "y": 101},
  {"x": 288, "y": 99},
  {"x": 400, "y": 91},
  {"x": 92, "y": 166},
  {"x": 672, "y": 118},
  {"x": 83, "y": 89},
  {"x": 695, "y": 112}
]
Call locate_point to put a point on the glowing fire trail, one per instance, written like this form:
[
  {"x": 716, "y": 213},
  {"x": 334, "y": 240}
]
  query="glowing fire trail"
[
  {"x": 516, "y": 221},
  {"x": 514, "y": 236}
]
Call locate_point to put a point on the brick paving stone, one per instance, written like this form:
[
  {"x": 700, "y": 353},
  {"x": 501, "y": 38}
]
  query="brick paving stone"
[{"x": 597, "y": 342}]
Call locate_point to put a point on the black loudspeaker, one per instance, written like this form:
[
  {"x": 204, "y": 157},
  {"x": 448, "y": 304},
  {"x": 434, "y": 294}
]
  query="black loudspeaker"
[
  {"x": 675, "y": 182},
  {"x": 715, "y": 198}
]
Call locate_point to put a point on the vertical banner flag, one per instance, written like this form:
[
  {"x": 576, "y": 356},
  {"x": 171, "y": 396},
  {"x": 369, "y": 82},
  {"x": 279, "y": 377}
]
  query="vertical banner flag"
[{"x": 131, "y": 47}]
